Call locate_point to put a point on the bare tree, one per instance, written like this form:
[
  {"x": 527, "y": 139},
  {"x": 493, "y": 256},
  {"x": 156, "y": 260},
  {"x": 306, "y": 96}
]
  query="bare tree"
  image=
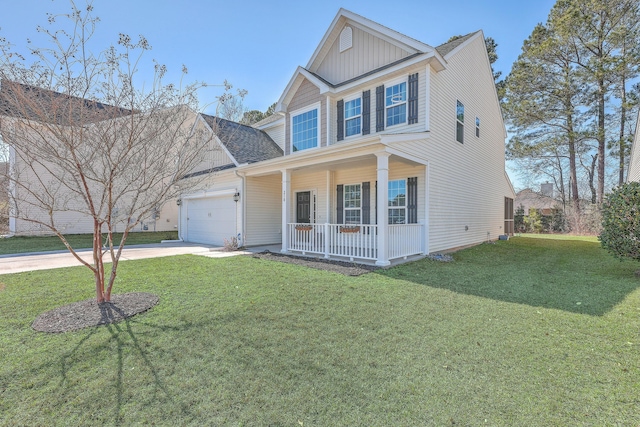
[{"x": 85, "y": 143}]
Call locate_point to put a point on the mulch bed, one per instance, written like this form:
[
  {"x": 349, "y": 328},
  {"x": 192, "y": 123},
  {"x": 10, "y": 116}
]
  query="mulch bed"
[
  {"x": 89, "y": 313},
  {"x": 342, "y": 267}
]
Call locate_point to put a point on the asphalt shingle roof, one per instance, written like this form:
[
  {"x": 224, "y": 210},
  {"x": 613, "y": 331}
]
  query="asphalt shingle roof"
[
  {"x": 43, "y": 105},
  {"x": 446, "y": 48},
  {"x": 246, "y": 144}
]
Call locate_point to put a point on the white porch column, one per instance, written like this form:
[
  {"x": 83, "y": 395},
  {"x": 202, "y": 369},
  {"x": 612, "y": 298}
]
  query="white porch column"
[
  {"x": 286, "y": 191},
  {"x": 383, "y": 202}
]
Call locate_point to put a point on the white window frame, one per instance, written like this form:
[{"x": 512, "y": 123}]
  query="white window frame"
[
  {"x": 389, "y": 85},
  {"x": 344, "y": 115},
  {"x": 344, "y": 203},
  {"x": 404, "y": 207},
  {"x": 298, "y": 112},
  {"x": 459, "y": 122}
]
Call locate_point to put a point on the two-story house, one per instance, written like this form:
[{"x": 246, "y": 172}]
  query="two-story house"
[{"x": 391, "y": 149}]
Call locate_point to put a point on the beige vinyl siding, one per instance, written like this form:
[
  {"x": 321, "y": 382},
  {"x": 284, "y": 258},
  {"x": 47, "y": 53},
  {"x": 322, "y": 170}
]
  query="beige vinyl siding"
[
  {"x": 264, "y": 210},
  {"x": 368, "y": 53},
  {"x": 316, "y": 182},
  {"x": 421, "y": 69},
  {"x": 467, "y": 181},
  {"x": 307, "y": 95},
  {"x": 277, "y": 134}
]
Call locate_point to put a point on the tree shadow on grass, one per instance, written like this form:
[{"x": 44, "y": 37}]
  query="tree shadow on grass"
[
  {"x": 569, "y": 275},
  {"x": 126, "y": 340}
]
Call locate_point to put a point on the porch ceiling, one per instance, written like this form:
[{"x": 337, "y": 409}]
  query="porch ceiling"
[{"x": 334, "y": 158}]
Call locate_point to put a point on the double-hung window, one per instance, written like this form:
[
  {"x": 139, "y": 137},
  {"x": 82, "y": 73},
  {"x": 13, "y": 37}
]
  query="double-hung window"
[
  {"x": 353, "y": 117},
  {"x": 352, "y": 204},
  {"x": 396, "y": 104},
  {"x": 397, "y": 201},
  {"x": 305, "y": 127}
]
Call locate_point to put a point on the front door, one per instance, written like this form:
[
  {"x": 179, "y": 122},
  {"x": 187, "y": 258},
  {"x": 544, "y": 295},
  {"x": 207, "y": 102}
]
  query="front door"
[{"x": 303, "y": 207}]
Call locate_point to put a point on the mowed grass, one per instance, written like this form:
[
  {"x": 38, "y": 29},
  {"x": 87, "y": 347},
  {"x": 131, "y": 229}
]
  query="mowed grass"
[
  {"x": 23, "y": 244},
  {"x": 525, "y": 332}
]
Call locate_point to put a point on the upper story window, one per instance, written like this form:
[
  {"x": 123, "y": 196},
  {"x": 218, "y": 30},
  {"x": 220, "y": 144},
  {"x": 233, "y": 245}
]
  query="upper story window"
[
  {"x": 477, "y": 127},
  {"x": 397, "y": 201},
  {"x": 352, "y": 204},
  {"x": 396, "y": 104},
  {"x": 460, "y": 122},
  {"x": 353, "y": 117},
  {"x": 305, "y": 127}
]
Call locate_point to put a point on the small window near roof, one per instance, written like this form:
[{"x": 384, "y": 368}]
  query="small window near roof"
[{"x": 346, "y": 39}]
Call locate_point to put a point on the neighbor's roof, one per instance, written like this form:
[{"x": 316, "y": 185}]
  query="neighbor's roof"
[
  {"x": 43, "y": 105},
  {"x": 244, "y": 143}
]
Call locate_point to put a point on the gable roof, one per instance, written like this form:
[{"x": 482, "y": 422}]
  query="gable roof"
[
  {"x": 344, "y": 16},
  {"x": 43, "y": 105},
  {"x": 244, "y": 143},
  {"x": 446, "y": 48}
]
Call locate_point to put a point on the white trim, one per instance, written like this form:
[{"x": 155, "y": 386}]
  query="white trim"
[
  {"x": 427, "y": 175},
  {"x": 344, "y": 208},
  {"x": 294, "y": 83},
  {"x": 389, "y": 84},
  {"x": 406, "y": 196},
  {"x": 208, "y": 194},
  {"x": 316, "y": 106},
  {"x": 356, "y": 95}
]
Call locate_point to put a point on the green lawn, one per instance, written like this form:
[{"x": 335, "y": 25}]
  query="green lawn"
[
  {"x": 16, "y": 245},
  {"x": 525, "y": 332}
]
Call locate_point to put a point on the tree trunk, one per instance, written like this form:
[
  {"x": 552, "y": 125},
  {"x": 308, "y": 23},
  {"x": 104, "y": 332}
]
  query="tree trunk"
[
  {"x": 601, "y": 139},
  {"x": 101, "y": 296},
  {"x": 592, "y": 173},
  {"x": 573, "y": 176},
  {"x": 623, "y": 117}
]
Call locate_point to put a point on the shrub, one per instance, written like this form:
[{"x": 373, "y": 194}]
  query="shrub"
[
  {"x": 621, "y": 221},
  {"x": 230, "y": 244}
]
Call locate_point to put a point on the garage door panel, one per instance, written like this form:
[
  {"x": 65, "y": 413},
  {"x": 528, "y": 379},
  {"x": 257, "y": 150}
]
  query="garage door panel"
[{"x": 211, "y": 220}]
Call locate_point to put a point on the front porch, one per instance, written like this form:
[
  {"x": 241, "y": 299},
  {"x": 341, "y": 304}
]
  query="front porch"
[{"x": 355, "y": 242}]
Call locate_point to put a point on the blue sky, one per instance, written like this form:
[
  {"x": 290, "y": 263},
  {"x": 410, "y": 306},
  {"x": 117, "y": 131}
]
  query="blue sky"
[{"x": 257, "y": 45}]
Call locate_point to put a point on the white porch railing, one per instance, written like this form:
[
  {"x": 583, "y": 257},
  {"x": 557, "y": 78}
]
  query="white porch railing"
[
  {"x": 354, "y": 241},
  {"x": 404, "y": 240}
]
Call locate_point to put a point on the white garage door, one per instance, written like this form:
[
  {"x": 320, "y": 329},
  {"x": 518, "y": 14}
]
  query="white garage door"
[{"x": 211, "y": 220}]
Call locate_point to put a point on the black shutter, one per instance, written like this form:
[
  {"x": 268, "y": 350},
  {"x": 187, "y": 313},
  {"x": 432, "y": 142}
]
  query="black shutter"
[
  {"x": 340, "y": 204},
  {"x": 376, "y": 189},
  {"x": 380, "y": 108},
  {"x": 413, "y": 98},
  {"x": 366, "y": 203},
  {"x": 340, "y": 120},
  {"x": 366, "y": 112},
  {"x": 412, "y": 200}
]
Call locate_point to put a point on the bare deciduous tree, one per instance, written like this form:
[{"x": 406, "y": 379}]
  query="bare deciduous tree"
[{"x": 85, "y": 143}]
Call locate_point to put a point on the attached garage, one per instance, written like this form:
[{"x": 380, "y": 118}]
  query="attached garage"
[{"x": 209, "y": 220}]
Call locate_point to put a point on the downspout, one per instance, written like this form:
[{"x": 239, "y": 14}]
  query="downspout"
[{"x": 243, "y": 198}]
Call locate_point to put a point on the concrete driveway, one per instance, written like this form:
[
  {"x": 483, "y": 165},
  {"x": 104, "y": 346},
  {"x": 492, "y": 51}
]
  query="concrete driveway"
[{"x": 46, "y": 260}]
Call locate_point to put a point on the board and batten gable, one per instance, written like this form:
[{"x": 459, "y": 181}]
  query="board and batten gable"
[
  {"x": 306, "y": 95},
  {"x": 467, "y": 181},
  {"x": 367, "y": 53}
]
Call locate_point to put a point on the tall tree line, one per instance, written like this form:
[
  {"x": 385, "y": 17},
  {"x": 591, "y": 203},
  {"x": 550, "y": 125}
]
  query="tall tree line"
[{"x": 572, "y": 96}]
